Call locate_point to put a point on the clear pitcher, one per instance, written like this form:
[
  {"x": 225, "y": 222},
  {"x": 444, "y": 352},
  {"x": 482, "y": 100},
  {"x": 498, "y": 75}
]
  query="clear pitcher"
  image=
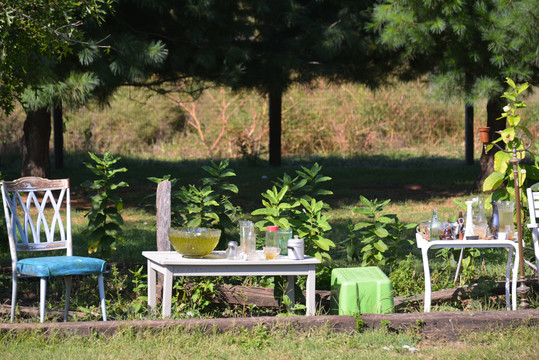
[
  {"x": 505, "y": 215},
  {"x": 476, "y": 220},
  {"x": 247, "y": 237}
]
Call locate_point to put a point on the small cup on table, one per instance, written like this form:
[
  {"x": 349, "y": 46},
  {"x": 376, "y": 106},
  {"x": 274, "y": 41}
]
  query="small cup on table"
[{"x": 271, "y": 252}]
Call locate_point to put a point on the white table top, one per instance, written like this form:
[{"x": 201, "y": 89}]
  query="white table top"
[
  {"x": 218, "y": 258},
  {"x": 422, "y": 243}
]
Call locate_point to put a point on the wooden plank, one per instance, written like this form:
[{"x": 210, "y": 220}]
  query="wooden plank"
[{"x": 163, "y": 217}]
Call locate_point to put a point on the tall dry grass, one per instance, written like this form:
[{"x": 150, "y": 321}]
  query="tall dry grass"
[{"x": 345, "y": 120}]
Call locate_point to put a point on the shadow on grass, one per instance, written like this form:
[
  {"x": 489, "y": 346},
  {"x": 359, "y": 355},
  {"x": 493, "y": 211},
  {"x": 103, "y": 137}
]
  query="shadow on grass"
[{"x": 398, "y": 177}]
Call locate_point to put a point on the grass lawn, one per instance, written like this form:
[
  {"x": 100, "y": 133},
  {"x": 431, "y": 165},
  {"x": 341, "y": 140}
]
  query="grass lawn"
[{"x": 261, "y": 343}]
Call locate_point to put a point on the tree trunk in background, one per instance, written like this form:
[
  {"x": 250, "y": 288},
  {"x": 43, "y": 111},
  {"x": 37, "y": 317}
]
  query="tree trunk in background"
[
  {"x": 58, "y": 131},
  {"x": 494, "y": 111},
  {"x": 35, "y": 144},
  {"x": 468, "y": 134},
  {"x": 275, "y": 101}
]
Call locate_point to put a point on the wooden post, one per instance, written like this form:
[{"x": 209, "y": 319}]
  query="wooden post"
[{"x": 162, "y": 204}]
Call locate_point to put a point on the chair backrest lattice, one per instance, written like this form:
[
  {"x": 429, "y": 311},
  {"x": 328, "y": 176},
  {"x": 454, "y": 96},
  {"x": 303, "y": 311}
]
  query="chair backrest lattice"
[
  {"x": 533, "y": 203},
  {"x": 37, "y": 214}
]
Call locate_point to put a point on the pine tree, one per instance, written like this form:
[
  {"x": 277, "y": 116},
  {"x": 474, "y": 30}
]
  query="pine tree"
[
  {"x": 94, "y": 69},
  {"x": 468, "y": 47},
  {"x": 34, "y": 35}
]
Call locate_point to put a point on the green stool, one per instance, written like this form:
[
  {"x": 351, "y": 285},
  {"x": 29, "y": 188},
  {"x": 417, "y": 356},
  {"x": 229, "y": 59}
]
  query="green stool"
[{"x": 361, "y": 290}]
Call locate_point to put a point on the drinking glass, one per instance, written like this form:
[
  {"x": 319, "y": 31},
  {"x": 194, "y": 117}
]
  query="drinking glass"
[
  {"x": 284, "y": 236},
  {"x": 505, "y": 215}
]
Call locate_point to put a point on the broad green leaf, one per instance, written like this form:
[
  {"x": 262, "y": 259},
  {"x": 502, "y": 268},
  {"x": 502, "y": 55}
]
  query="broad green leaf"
[
  {"x": 322, "y": 179},
  {"x": 509, "y": 132},
  {"x": 324, "y": 245},
  {"x": 385, "y": 219},
  {"x": 493, "y": 181},
  {"x": 380, "y": 246},
  {"x": 362, "y": 225},
  {"x": 381, "y": 232},
  {"x": 365, "y": 201},
  {"x": 501, "y": 161}
]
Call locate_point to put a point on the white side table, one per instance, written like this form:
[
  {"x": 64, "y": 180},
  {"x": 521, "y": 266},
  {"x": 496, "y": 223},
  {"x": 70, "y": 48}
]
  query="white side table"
[
  {"x": 511, "y": 245},
  {"x": 171, "y": 263}
]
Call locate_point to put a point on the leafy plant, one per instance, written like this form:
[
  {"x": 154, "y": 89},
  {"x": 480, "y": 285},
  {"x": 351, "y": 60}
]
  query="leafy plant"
[
  {"x": 405, "y": 279},
  {"x": 208, "y": 205},
  {"x": 311, "y": 224},
  {"x": 193, "y": 298},
  {"x": 377, "y": 240},
  {"x": 199, "y": 207},
  {"x": 276, "y": 211},
  {"x": 290, "y": 310},
  {"x": 127, "y": 299},
  {"x": 291, "y": 204},
  {"x": 510, "y": 138},
  {"x": 217, "y": 180},
  {"x": 104, "y": 219}
]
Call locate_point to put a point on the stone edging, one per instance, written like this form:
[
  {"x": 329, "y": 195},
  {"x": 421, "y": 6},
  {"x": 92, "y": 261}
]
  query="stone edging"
[{"x": 435, "y": 325}]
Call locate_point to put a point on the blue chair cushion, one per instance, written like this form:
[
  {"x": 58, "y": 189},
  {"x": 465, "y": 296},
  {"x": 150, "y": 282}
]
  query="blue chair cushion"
[{"x": 60, "y": 266}]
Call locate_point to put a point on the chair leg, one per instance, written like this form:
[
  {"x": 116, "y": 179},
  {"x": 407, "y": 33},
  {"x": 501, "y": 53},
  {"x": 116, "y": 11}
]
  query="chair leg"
[
  {"x": 42, "y": 296},
  {"x": 102, "y": 295},
  {"x": 13, "y": 296},
  {"x": 536, "y": 249},
  {"x": 68, "y": 280}
]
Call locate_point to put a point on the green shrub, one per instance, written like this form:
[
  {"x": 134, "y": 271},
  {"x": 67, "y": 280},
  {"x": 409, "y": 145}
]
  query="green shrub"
[
  {"x": 378, "y": 240},
  {"x": 104, "y": 218},
  {"x": 292, "y": 204}
]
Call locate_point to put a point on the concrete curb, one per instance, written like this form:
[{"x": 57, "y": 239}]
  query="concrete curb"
[
  {"x": 339, "y": 323},
  {"x": 435, "y": 325}
]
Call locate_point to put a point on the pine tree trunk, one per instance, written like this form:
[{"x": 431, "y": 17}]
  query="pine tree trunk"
[
  {"x": 468, "y": 134},
  {"x": 58, "y": 130},
  {"x": 35, "y": 144},
  {"x": 275, "y": 101},
  {"x": 494, "y": 111}
]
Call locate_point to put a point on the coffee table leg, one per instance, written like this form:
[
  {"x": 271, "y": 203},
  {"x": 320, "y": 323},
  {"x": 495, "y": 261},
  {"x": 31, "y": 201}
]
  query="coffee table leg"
[
  {"x": 310, "y": 292},
  {"x": 426, "y": 270},
  {"x": 152, "y": 296},
  {"x": 290, "y": 281},
  {"x": 167, "y": 293}
]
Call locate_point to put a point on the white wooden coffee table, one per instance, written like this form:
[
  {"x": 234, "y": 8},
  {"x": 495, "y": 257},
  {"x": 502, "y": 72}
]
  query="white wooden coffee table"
[
  {"x": 171, "y": 263},
  {"x": 512, "y": 246}
]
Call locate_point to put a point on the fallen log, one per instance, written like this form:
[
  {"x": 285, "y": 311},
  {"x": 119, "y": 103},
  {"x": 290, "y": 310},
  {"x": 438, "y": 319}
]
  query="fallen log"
[
  {"x": 259, "y": 296},
  {"x": 34, "y": 311},
  {"x": 456, "y": 293}
]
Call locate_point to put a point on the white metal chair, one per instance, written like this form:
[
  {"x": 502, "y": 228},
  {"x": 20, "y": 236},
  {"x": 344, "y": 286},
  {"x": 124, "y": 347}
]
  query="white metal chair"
[
  {"x": 533, "y": 205},
  {"x": 38, "y": 218}
]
